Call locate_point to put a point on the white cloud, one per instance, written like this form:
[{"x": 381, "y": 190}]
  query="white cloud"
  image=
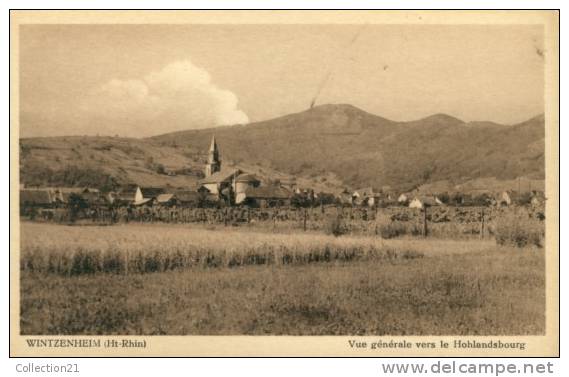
[{"x": 180, "y": 96}]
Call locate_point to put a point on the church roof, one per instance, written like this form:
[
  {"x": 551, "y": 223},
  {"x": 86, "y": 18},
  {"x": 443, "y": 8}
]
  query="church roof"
[
  {"x": 224, "y": 175},
  {"x": 247, "y": 178},
  {"x": 213, "y": 146}
]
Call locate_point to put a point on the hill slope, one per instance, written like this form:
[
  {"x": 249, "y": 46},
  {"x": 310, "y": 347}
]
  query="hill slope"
[
  {"x": 109, "y": 162},
  {"x": 103, "y": 162},
  {"x": 327, "y": 147},
  {"x": 364, "y": 149}
]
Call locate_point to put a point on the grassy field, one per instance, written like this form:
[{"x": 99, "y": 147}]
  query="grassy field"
[{"x": 176, "y": 280}]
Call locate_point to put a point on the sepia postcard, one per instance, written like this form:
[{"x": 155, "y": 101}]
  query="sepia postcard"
[{"x": 284, "y": 183}]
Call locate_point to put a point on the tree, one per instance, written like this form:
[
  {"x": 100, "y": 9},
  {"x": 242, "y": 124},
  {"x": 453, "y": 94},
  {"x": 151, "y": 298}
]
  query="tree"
[
  {"x": 523, "y": 199},
  {"x": 444, "y": 197},
  {"x": 482, "y": 200},
  {"x": 300, "y": 200},
  {"x": 160, "y": 169},
  {"x": 76, "y": 204}
]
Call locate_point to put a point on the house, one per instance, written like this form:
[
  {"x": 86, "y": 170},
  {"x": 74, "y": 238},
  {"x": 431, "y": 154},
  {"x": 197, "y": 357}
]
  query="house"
[
  {"x": 345, "y": 197},
  {"x": 189, "y": 198},
  {"x": 364, "y": 196},
  {"x": 166, "y": 200},
  {"x": 133, "y": 194},
  {"x": 306, "y": 194},
  {"x": 267, "y": 196},
  {"x": 403, "y": 199},
  {"x": 148, "y": 193},
  {"x": 128, "y": 195},
  {"x": 230, "y": 184},
  {"x": 303, "y": 197},
  {"x": 424, "y": 201},
  {"x": 242, "y": 183},
  {"x": 216, "y": 182},
  {"x": 511, "y": 197},
  {"x": 144, "y": 202},
  {"x": 303, "y": 191},
  {"x": 507, "y": 198}
]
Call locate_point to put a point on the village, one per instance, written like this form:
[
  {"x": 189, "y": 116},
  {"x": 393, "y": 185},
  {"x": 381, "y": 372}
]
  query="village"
[
  {"x": 232, "y": 187},
  {"x": 217, "y": 177}
]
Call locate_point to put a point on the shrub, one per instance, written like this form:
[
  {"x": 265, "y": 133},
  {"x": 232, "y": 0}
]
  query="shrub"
[
  {"x": 392, "y": 229},
  {"x": 389, "y": 228},
  {"x": 518, "y": 229},
  {"x": 160, "y": 169}
]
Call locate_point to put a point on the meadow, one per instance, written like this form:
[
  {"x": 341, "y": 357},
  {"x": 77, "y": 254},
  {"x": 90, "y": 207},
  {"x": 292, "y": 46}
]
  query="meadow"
[{"x": 185, "y": 279}]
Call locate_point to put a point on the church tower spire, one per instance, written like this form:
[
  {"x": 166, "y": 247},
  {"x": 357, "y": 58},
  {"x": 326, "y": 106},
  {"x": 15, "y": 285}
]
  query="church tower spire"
[{"x": 213, "y": 161}]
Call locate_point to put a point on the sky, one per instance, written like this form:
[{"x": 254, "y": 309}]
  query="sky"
[{"x": 143, "y": 80}]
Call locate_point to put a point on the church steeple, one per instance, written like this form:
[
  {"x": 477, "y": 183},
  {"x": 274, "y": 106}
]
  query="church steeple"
[{"x": 213, "y": 162}]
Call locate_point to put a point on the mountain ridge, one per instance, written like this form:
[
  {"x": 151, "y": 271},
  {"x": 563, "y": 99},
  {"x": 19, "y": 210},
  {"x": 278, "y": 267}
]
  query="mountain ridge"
[
  {"x": 365, "y": 149},
  {"x": 329, "y": 146}
]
